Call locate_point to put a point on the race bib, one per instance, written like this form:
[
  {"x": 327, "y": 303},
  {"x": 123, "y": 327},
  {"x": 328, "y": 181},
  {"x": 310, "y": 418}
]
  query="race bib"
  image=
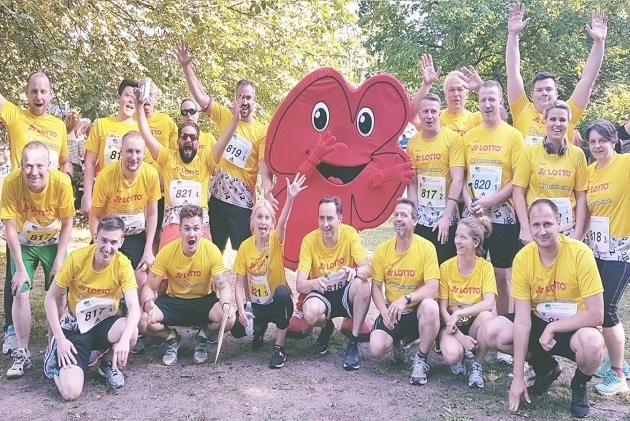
[
  {"x": 134, "y": 224},
  {"x": 599, "y": 234},
  {"x": 486, "y": 180},
  {"x": 259, "y": 289},
  {"x": 530, "y": 140},
  {"x": 553, "y": 311},
  {"x": 185, "y": 192},
  {"x": 238, "y": 150},
  {"x": 34, "y": 234},
  {"x": 432, "y": 191},
  {"x": 564, "y": 209},
  {"x": 92, "y": 311},
  {"x": 113, "y": 145},
  {"x": 54, "y": 159},
  {"x": 336, "y": 280}
]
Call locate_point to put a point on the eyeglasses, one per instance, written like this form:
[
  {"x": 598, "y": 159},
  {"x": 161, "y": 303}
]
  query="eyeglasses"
[
  {"x": 189, "y": 111},
  {"x": 190, "y": 136}
]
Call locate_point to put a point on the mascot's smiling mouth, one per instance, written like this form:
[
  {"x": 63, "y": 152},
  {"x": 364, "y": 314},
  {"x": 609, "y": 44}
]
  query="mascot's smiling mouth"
[{"x": 339, "y": 175}]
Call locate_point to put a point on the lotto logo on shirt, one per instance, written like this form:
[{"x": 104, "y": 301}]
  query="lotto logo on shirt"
[
  {"x": 156, "y": 132},
  {"x": 185, "y": 171},
  {"x": 50, "y": 133},
  {"x": 466, "y": 290},
  {"x": 189, "y": 274},
  {"x": 599, "y": 188},
  {"x": 554, "y": 172},
  {"x": 257, "y": 265},
  {"x": 97, "y": 291},
  {"x": 35, "y": 211},
  {"x": 486, "y": 148},
  {"x": 132, "y": 198},
  {"x": 400, "y": 272},
  {"x": 428, "y": 157},
  {"x": 323, "y": 267},
  {"x": 556, "y": 286}
]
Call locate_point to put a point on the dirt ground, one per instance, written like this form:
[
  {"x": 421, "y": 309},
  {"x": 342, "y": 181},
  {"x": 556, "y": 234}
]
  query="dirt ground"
[{"x": 309, "y": 387}]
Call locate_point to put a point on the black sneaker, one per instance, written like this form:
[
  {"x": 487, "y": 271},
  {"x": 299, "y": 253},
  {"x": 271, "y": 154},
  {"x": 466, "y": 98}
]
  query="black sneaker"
[
  {"x": 278, "y": 357},
  {"x": 352, "y": 356},
  {"x": 543, "y": 382},
  {"x": 259, "y": 334},
  {"x": 321, "y": 346},
  {"x": 579, "y": 400}
]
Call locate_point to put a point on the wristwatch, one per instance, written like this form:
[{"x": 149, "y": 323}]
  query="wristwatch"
[{"x": 408, "y": 298}]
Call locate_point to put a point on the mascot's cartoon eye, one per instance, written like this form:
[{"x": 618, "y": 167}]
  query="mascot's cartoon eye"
[
  {"x": 365, "y": 122},
  {"x": 320, "y": 116}
]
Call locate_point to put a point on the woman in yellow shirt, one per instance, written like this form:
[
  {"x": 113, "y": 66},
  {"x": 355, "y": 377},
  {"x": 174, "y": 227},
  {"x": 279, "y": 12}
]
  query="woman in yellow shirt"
[
  {"x": 466, "y": 296},
  {"x": 260, "y": 277}
]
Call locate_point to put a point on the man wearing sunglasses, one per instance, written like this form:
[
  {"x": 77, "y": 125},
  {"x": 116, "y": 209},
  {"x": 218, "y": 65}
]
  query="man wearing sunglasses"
[
  {"x": 190, "y": 112},
  {"x": 233, "y": 185},
  {"x": 186, "y": 171}
]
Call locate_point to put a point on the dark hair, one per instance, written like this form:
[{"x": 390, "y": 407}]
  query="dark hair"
[
  {"x": 543, "y": 76},
  {"x": 414, "y": 208},
  {"x": 606, "y": 130},
  {"x": 245, "y": 82},
  {"x": 190, "y": 211},
  {"x": 110, "y": 223},
  {"x": 480, "y": 229},
  {"x": 541, "y": 202},
  {"x": 332, "y": 199},
  {"x": 188, "y": 123},
  {"x": 126, "y": 83}
]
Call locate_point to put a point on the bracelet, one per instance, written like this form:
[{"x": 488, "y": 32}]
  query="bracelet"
[{"x": 454, "y": 200}]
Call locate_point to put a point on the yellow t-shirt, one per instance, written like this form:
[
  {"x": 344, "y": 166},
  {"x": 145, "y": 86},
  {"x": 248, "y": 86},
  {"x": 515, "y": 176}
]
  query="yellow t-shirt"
[
  {"x": 38, "y": 215},
  {"x": 317, "y": 260},
  {"x": 403, "y": 273},
  {"x": 117, "y": 196},
  {"x": 264, "y": 269},
  {"x": 530, "y": 122},
  {"x": 461, "y": 122},
  {"x": 24, "y": 127},
  {"x": 164, "y": 129},
  {"x": 608, "y": 200},
  {"x": 206, "y": 140},
  {"x": 105, "y": 140},
  {"x": 551, "y": 176},
  {"x": 234, "y": 180},
  {"x": 188, "y": 277},
  {"x": 432, "y": 159},
  {"x": 184, "y": 184},
  {"x": 571, "y": 278},
  {"x": 490, "y": 156},
  {"x": 83, "y": 281},
  {"x": 464, "y": 291}
]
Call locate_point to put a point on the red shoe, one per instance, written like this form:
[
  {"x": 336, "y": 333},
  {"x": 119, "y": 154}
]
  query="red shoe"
[
  {"x": 298, "y": 328},
  {"x": 364, "y": 334}
]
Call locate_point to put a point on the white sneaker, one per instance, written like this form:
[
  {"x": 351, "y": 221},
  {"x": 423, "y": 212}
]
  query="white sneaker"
[
  {"x": 476, "y": 376},
  {"x": 506, "y": 359},
  {"x": 21, "y": 361},
  {"x": 10, "y": 341}
]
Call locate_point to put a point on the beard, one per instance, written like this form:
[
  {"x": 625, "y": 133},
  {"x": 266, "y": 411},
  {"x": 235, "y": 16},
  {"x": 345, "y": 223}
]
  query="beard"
[{"x": 185, "y": 159}]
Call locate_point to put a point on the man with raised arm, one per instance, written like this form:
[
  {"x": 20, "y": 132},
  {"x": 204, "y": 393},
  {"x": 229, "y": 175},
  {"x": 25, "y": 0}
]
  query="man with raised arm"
[
  {"x": 527, "y": 115},
  {"x": 233, "y": 186}
]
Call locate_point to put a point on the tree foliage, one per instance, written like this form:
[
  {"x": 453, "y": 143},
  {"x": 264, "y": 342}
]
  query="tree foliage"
[
  {"x": 87, "y": 47},
  {"x": 463, "y": 32}
]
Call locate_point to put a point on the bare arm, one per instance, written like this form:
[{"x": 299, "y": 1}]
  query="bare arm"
[
  {"x": 153, "y": 145},
  {"x": 412, "y": 190},
  {"x": 520, "y": 207},
  {"x": 224, "y": 139},
  {"x": 13, "y": 242},
  {"x": 150, "y": 218},
  {"x": 65, "y": 165},
  {"x": 515, "y": 87},
  {"x": 222, "y": 286},
  {"x": 580, "y": 215},
  {"x": 598, "y": 31},
  {"x": 95, "y": 216},
  {"x": 429, "y": 76},
  {"x": 185, "y": 59},
  {"x": 293, "y": 189},
  {"x": 62, "y": 245},
  {"x": 88, "y": 181},
  {"x": 521, "y": 331}
]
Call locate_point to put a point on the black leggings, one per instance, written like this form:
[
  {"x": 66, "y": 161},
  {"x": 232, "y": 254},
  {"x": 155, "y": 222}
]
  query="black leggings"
[
  {"x": 278, "y": 312},
  {"x": 615, "y": 277}
]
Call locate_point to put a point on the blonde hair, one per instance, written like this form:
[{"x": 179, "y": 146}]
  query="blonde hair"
[
  {"x": 480, "y": 229},
  {"x": 264, "y": 203}
]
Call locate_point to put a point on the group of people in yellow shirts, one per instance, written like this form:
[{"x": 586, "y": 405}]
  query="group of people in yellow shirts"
[{"x": 553, "y": 227}]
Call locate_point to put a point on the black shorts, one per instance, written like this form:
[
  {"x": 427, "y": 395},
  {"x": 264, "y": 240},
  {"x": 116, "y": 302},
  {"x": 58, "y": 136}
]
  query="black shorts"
[
  {"x": 463, "y": 327},
  {"x": 406, "y": 328},
  {"x": 228, "y": 220},
  {"x": 94, "y": 339},
  {"x": 444, "y": 251},
  {"x": 563, "y": 339},
  {"x": 502, "y": 244},
  {"x": 186, "y": 311},
  {"x": 160, "y": 214},
  {"x": 133, "y": 248},
  {"x": 337, "y": 302}
]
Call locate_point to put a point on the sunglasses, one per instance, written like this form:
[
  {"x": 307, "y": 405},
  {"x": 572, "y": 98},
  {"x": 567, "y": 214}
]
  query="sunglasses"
[
  {"x": 190, "y": 136},
  {"x": 189, "y": 111}
]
